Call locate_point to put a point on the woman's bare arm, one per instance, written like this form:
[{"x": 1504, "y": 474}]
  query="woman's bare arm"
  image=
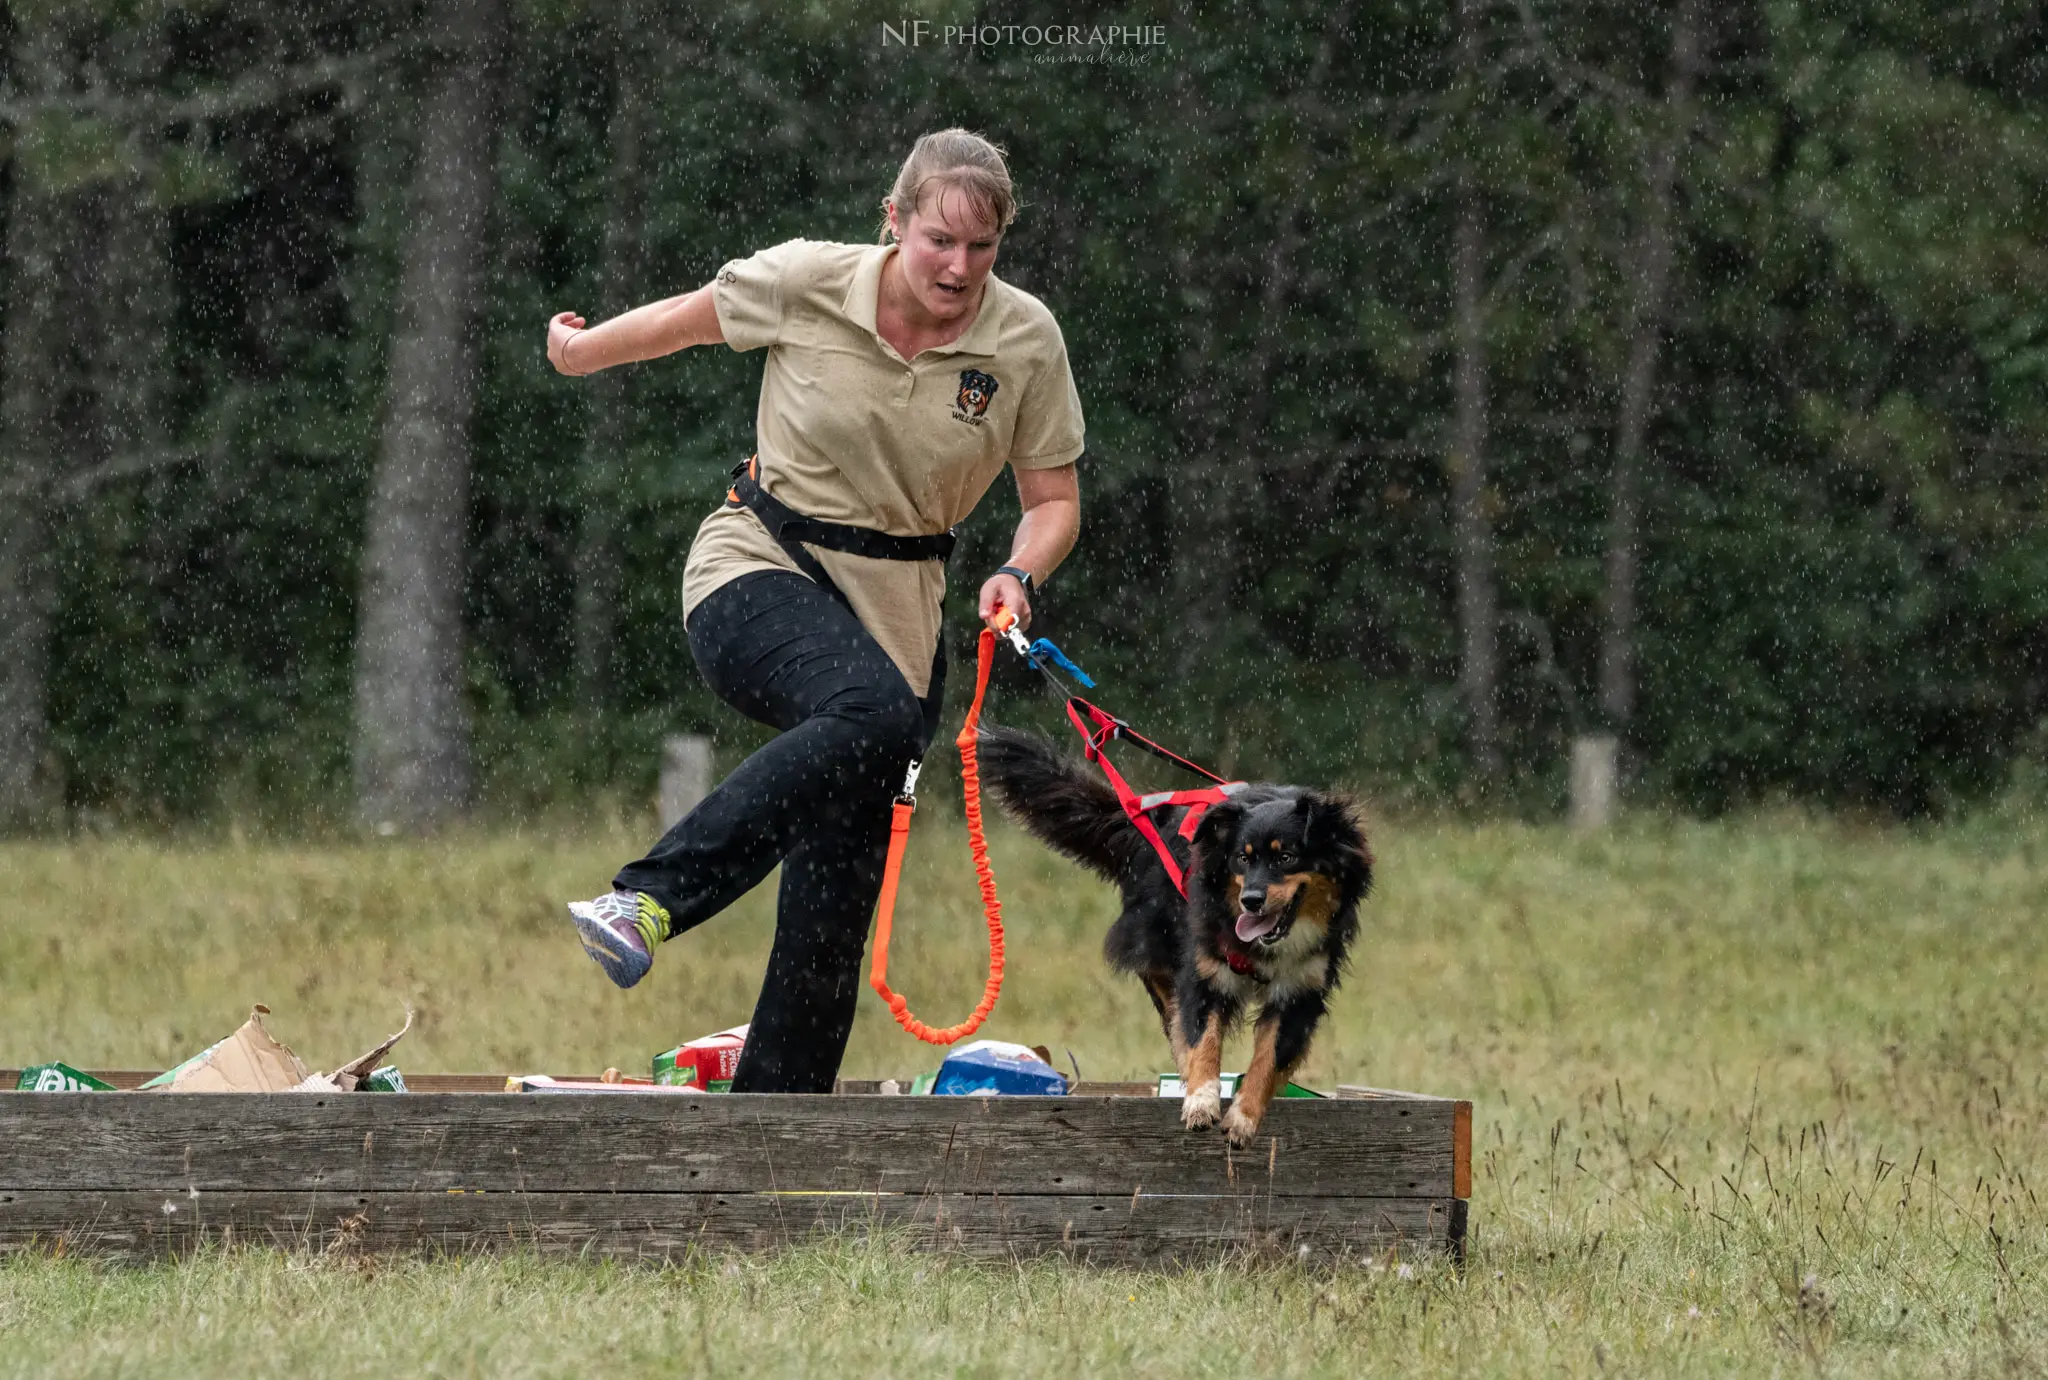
[
  {"x": 1045, "y": 534},
  {"x": 649, "y": 332}
]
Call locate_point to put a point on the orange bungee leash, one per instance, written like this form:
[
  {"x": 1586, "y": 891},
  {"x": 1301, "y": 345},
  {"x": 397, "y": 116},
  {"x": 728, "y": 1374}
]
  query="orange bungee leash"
[
  {"x": 899, "y": 837},
  {"x": 1097, "y": 728}
]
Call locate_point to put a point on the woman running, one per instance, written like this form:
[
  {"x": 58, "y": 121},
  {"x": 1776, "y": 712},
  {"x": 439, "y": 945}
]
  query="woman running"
[{"x": 900, "y": 378}]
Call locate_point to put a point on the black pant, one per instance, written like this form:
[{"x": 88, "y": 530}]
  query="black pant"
[{"x": 780, "y": 649}]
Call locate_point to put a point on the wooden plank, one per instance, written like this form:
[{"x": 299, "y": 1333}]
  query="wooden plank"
[
  {"x": 130, "y": 1079},
  {"x": 714, "y": 1144},
  {"x": 1128, "y": 1230},
  {"x": 1461, "y": 1128},
  {"x": 127, "y": 1080},
  {"x": 1461, "y": 1150},
  {"x": 470, "y": 1082},
  {"x": 862, "y": 1086},
  {"x": 1359, "y": 1090}
]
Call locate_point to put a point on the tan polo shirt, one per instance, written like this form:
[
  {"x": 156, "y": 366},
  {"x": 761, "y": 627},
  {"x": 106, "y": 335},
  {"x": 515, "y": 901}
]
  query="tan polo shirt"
[{"x": 848, "y": 431}]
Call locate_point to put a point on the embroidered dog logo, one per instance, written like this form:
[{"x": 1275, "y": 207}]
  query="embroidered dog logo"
[{"x": 976, "y": 389}]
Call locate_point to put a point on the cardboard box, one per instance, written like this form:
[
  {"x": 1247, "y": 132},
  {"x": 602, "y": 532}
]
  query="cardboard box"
[
  {"x": 706, "y": 1064},
  {"x": 541, "y": 1083},
  {"x": 1169, "y": 1086},
  {"x": 57, "y": 1077},
  {"x": 998, "y": 1068},
  {"x": 254, "y": 1060}
]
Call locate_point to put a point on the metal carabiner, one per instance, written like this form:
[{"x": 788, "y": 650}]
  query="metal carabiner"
[{"x": 1005, "y": 622}]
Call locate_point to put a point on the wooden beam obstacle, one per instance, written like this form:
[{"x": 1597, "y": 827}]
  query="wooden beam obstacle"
[{"x": 1096, "y": 1176}]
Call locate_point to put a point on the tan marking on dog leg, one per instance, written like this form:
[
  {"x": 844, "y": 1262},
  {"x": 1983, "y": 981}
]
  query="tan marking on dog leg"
[
  {"x": 1205, "y": 1057},
  {"x": 1177, "y": 1040},
  {"x": 1162, "y": 992},
  {"x": 1158, "y": 989},
  {"x": 1169, "y": 1016},
  {"x": 1255, "y": 1090},
  {"x": 1203, "y": 1102}
]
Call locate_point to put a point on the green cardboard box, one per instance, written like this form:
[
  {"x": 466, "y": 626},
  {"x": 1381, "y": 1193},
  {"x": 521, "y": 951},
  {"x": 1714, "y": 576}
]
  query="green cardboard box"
[
  {"x": 55, "y": 1077},
  {"x": 1169, "y": 1086}
]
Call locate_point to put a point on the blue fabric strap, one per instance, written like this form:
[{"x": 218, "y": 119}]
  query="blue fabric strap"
[{"x": 1042, "y": 650}]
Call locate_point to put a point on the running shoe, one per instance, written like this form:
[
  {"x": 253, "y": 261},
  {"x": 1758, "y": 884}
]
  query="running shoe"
[{"x": 620, "y": 930}]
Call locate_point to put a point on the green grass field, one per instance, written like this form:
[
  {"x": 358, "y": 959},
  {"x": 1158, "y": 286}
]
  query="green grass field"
[{"x": 1757, "y": 1097}]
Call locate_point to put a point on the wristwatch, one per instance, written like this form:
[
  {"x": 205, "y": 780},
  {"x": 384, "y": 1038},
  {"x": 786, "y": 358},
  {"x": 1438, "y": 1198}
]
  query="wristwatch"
[{"x": 1023, "y": 577}]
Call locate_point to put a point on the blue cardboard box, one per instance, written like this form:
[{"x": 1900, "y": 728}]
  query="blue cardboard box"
[{"x": 992, "y": 1066}]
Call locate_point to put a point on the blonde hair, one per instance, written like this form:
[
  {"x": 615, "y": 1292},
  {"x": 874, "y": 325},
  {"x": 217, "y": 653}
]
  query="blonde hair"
[{"x": 958, "y": 159}]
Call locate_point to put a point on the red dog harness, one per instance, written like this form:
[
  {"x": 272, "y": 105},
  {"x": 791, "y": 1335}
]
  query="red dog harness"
[{"x": 1097, "y": 727}]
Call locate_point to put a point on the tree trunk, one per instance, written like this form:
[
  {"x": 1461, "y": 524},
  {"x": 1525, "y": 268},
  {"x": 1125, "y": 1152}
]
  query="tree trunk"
[
  {"x": 1208, "y": 496},
  {"x": 412, "y": 730},
  {"x": 136, "y": 306},
  {"x": 1478, "y": 604},
  {"x": 1218, "y": 487},
  {"x": 1206, "y": 499},
  {"x": 83, "y": 365},
  {"x": 603, "y": 463},
  {"x": 1277, "y": 286},
  {"x": 28, "y": 592},
  {"x": 1649, "y": 312},
  {"x": 132, "y": 297},
  {"x": 36, "y": 357}
]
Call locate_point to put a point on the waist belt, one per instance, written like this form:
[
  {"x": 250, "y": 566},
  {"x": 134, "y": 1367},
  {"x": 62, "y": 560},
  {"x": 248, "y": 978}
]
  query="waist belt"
[
  {"x": 789, "y": 527},
  {"x": 792, "y": 530}
]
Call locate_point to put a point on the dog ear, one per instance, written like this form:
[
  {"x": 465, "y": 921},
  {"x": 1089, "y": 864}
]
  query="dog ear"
[
  {"x": 1212, "y": 835},
  {"x": 1309, "y": 819},
  {"x": 1333, "y": 824}
]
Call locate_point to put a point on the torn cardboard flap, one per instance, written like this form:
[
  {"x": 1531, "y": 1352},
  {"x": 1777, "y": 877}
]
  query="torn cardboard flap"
[
  {"x": 350, "y": 1076},
  {"x": 253, "y": 1060}
]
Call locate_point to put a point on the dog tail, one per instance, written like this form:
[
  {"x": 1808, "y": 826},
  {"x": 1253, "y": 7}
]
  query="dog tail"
[{"x": 1057, "y": 799}]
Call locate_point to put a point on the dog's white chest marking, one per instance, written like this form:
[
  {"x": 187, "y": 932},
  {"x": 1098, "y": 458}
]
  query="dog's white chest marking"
[
  {"x": 1289, "y": 975},
  {"x": 1237, "y": 985}
]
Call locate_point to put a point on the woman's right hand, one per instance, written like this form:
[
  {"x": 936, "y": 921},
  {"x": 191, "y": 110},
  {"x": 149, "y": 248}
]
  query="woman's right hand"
[
  {"x": 1005, "y": 594},
  {"x": 561, "y": 330}
]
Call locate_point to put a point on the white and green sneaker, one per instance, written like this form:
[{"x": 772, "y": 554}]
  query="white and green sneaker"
[{"x": 620, "y": 930}]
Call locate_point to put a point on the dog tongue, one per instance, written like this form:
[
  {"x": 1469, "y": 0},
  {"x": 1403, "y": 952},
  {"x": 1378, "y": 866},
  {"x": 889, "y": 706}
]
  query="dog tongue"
[{"x": 1250, "y": 926}]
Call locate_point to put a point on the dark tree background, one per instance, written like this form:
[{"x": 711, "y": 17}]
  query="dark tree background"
[{"x": 1460, "y": 377}]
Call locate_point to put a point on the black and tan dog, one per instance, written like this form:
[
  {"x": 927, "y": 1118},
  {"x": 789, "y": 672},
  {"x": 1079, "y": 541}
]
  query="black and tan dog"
[{"x": 1275, "y": 875}]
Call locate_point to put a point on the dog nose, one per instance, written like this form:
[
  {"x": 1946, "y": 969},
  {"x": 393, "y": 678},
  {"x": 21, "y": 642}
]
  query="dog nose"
[{"x": 1252, "y": 900}]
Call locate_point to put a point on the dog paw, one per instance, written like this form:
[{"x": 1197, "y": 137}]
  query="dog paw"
[
  {"x": 1240, "y": 1128},
  {"x": 1200, "y": 1109}
]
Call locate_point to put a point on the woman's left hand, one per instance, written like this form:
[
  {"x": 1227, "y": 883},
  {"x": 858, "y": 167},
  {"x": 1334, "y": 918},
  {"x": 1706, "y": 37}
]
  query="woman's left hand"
[{"x": 1006, "y": 591}]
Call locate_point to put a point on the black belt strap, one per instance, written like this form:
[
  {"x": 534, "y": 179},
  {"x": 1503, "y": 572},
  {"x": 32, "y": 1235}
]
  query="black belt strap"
[{"x": 788, "y": 526}]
